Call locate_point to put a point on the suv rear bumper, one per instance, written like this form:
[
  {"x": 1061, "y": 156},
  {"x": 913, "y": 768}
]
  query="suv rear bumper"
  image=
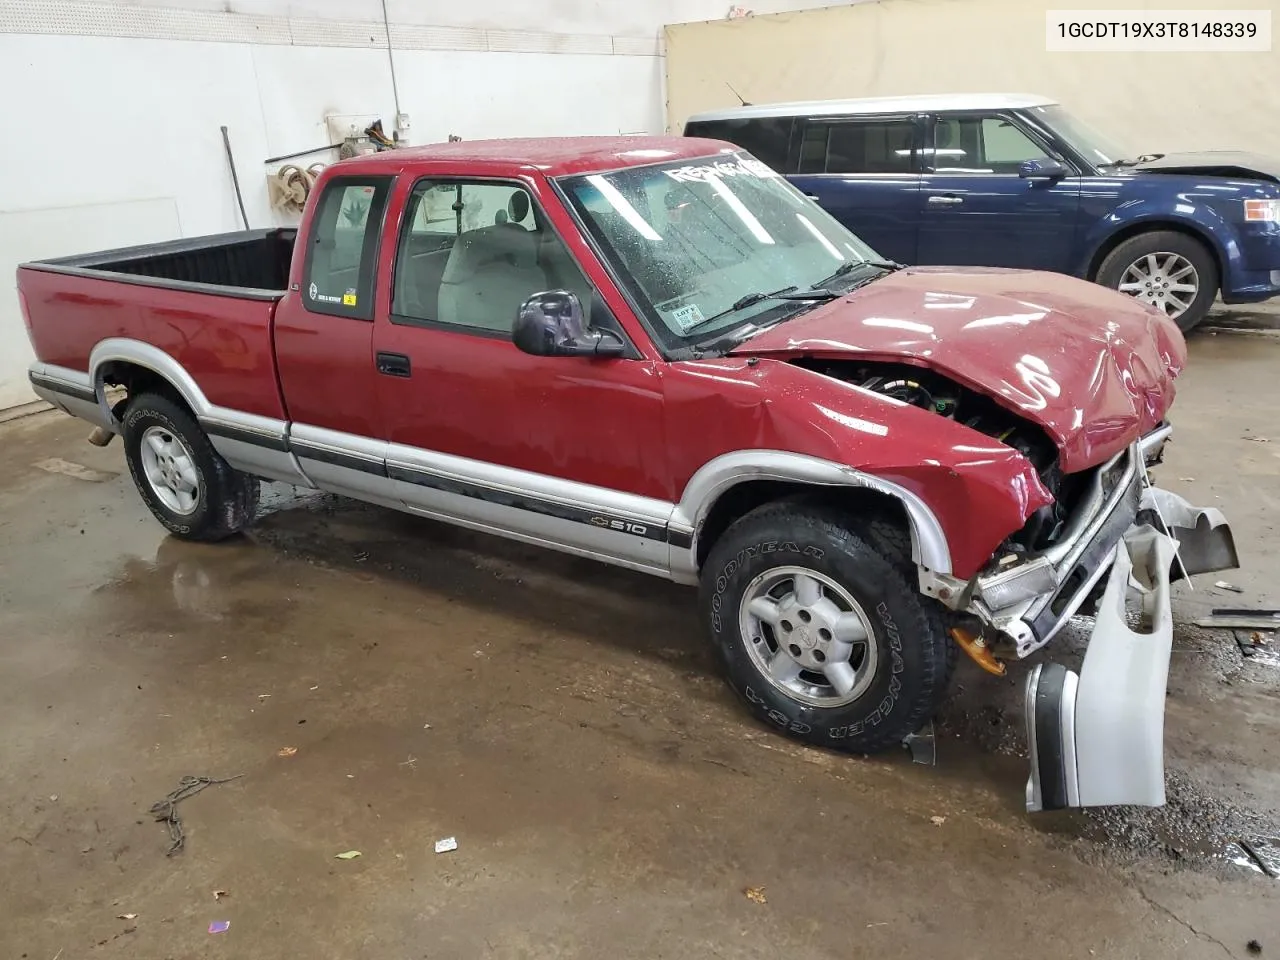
[{"x": 1097, "y": 738}]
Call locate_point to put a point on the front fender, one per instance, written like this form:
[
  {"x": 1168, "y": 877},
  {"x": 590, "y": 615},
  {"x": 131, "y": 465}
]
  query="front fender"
[
  {"x": 963, "y": 492},
  {"x": 1183, "y": 211}
]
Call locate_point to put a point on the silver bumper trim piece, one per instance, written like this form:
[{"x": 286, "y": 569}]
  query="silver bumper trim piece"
[
  {"x": 1205, "y": 541},
  {"x": 1097, "y": 738}
]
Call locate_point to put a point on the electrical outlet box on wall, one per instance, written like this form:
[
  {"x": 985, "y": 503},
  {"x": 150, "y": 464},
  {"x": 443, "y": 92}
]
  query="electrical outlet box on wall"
[{"x": 343, "y": 125}]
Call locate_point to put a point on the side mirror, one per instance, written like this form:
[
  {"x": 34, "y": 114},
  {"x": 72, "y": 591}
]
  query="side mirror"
[
  {"x": 1045, "y": 169},
  {"x": 551, "y": 324}
]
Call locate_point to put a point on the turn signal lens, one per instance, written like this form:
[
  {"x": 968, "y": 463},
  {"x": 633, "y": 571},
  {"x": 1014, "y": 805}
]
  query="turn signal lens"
[{"x": 1262, "y": 211}]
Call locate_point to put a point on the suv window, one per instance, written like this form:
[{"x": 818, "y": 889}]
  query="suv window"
[
  {"x": 765, "y": 138},
  {"x": 472, "y": 252},
  {"x": 989, "y": 144},
  {"x": 857, "y": 146},
  {"x": 342, "y": 248}
]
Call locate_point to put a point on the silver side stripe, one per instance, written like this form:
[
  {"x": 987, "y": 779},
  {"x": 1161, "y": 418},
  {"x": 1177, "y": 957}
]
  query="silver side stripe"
[{"x": 608, "y": 524}]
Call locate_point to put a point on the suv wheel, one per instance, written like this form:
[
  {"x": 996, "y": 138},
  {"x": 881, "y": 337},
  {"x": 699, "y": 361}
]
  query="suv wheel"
[
  {"x": 821, "y": 633},
  {"x": 1171, "y": 271},
  {"x": 183, "y": 480}
]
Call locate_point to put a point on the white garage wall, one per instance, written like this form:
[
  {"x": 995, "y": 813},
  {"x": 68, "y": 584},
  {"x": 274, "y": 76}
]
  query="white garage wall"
[{"x": 115, "y": 108}]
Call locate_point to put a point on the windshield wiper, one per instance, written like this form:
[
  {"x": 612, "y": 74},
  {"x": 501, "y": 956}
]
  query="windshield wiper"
[
  {"x": 850, "y": 265},
  {"x": 753, "y": 298},
  {"x": 1145, "y": 158}
]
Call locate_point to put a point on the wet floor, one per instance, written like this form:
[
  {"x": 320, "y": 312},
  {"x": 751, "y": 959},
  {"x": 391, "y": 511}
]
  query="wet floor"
[{"x": 566, "y": 724}]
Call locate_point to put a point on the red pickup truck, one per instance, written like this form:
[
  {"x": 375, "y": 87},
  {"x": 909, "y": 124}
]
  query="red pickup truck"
[{"x": 657, "y": 353}]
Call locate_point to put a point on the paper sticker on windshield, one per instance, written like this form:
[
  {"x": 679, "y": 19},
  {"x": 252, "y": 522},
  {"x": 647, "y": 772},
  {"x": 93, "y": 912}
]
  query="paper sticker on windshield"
[
  {"x": 687, "y": 317},
  {"x": 739, "y": 167},
  {"x": 349, "y": 298}
]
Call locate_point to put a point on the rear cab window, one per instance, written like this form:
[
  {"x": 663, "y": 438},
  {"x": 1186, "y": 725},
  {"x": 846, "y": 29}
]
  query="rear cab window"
[{"x": 342, "y": 247}]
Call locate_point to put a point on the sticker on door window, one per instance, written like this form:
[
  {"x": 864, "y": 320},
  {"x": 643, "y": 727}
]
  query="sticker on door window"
[{"x": 348, "y": 299}]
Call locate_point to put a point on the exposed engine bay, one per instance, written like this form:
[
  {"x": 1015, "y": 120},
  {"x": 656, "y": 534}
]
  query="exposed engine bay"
[{"x": 936, "y": 393}]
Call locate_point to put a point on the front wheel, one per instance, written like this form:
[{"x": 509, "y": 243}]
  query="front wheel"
[
  {"x": 186, "y": 484},
  {"x": 820, "y": 632},
  {"x": 1174, "y": 273}
]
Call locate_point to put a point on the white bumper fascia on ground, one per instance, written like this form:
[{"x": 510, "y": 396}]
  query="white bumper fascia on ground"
[{"x": 1097, "y": 738}]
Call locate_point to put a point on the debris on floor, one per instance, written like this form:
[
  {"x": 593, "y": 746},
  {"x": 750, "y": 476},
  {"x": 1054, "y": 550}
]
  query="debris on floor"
[
  {"x": 348, "y": 855},
  {"x": 219, "y": 894},
  {"x": 755, "y": 894},
  {"x": 937, "y": 821},
  {"x": 922, "y": 745},
  {"x": 1223, "y": 585},
  {"x": 286, "y": 751},
  {"x": 220, "y": 926},
  {"x": 447, "y": 844},
  {"x": 1261, "y": 854},
  {"x": 126, "y": 916},
  {"x": 1225, "y": 618},
  {"x": 1254, "y": 947},
  {"x": 166, "y": 810}
]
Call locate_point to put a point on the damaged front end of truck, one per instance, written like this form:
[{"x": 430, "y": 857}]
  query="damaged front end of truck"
[{"x": 1096, "y": 737}]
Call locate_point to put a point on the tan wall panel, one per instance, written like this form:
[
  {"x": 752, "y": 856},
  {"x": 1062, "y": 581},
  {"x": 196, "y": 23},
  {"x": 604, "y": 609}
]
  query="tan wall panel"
[{"x": 1149, "y": 101}]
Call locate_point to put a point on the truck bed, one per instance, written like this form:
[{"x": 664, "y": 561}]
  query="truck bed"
[
  {"x": 206, "y": 303},
  {"x": 251, "y": 264}
]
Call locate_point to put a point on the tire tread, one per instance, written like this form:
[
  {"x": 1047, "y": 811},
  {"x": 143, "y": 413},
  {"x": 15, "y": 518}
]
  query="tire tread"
[{"x": 888, "y": 540}]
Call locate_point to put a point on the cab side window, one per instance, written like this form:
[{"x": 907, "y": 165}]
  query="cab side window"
[
  {"x": 471, "y": 253},
  {"x": 990, "y": 144},
  {"x": 338, "y": 275},
  {"x": 766, "y": 138},
  {"x": 858, "y": 146}
]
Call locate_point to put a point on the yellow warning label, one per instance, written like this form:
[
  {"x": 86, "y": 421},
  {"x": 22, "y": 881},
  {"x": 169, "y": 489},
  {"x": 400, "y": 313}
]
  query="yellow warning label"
[{"x": 348, "y": 299}]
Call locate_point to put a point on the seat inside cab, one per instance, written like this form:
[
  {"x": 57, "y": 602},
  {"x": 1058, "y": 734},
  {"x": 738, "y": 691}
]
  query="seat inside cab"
[{"x": 479, "y": 275}]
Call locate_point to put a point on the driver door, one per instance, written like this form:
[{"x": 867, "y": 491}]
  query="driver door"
[
  {"x": 975, "y": 207},
  {"x": 563, "y": 451}
]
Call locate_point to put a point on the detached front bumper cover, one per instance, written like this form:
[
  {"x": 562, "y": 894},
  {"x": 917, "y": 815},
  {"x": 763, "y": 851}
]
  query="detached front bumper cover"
[{"x": 1097, "y": 738}]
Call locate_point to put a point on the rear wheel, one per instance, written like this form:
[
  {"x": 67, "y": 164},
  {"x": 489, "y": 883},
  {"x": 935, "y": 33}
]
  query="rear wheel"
[
  {"x": 821, "y": 633},
  {"x": 1169, "y": 270},
  {"x": 184, "y": 481}
]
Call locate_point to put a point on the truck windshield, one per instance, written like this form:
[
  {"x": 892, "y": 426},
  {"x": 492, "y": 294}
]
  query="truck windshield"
[
  {"x": 1097, "y": 148},
  {"x": 696, "y": 241}
]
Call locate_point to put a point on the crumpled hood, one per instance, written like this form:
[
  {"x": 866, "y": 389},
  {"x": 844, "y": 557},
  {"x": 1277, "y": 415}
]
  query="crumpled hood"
[
  {"x": 1092, "y": 367},
  {"x": 1216, "y": 163}
]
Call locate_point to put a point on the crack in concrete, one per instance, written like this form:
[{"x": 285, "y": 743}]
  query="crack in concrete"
[{"x": 1173, "y": 916}]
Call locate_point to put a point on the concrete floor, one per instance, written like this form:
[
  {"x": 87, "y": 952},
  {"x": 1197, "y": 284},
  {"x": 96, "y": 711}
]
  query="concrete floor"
[{"x": 565, "y": 723}]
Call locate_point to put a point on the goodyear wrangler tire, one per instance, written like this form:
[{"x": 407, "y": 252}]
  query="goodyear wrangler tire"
[{"x": 820, "y": 633}]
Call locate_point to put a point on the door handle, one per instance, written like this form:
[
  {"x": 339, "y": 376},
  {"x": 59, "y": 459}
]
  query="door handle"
[
  {"x": 942, "y": 201},
  {"x": 393, "y": 364}
]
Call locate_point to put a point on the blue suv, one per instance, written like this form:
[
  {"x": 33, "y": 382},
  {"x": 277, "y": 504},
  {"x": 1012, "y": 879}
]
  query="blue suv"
[{"x": 1011, "y": 180}]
